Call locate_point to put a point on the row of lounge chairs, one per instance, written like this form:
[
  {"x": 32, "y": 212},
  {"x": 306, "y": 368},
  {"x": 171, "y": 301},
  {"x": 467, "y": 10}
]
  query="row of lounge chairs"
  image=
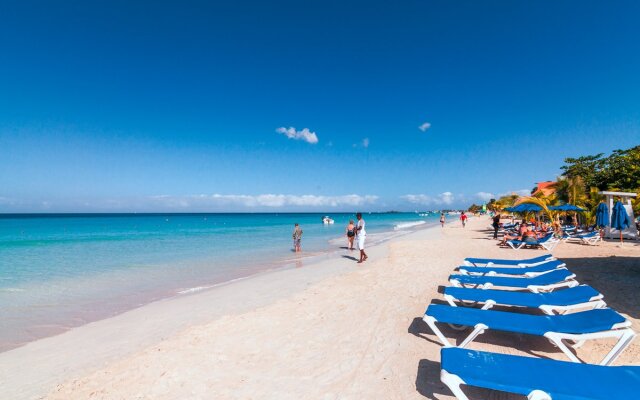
[
  {"x": 569, "y": 315},
  {"x": 550, "y": 241}
]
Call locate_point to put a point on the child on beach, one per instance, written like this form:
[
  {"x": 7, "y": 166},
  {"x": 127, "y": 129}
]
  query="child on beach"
[
  {"x": 297, "y": 238},
  {"x": 361, "y": 236},
  {"x": 442, "y": 219},
  {"x": 351, "y": 234}
]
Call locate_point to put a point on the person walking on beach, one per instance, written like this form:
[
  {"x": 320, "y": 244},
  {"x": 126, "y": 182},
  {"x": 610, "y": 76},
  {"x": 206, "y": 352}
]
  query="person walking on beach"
[
  {"x": 351, "y": 234},
  {"x": 361, "y": 235},
  {"x": 463, "y": 218},
  {"x": 297, "y": 238},
  {"x": 496, "y": 225},
  {"x": 442, "y": 219}
]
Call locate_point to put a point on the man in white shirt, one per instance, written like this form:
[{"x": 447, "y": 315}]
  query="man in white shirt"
[{"x": 361, "y": 235}]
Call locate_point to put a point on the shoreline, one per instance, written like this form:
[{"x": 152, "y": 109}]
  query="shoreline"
[
  {"x": 138, "y": 290},
  {"x": 105, "y": 343}
]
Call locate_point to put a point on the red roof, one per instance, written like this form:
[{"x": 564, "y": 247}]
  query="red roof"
[{"x": 546, "y": 188}]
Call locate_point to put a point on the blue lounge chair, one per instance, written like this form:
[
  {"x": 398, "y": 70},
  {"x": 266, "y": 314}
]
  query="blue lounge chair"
[
  {"x": 557, "y": 302},
  {"x": 577, "y": 327},
  {"x": 585, "y": 238},
  {"x": 527, "y": 262},
  {"x": 542, "y": 283},
  {"x": 548, "y": 242},
  {"x": 526, "y": 271},
  {"x": 552, "y": 380}
]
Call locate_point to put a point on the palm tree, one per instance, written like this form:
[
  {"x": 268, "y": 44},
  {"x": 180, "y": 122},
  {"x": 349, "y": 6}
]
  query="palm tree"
[
  {"x": 572, "y": 190},
  {"x": 543, "y": 202},
  {"x": 593, "y": 198}
]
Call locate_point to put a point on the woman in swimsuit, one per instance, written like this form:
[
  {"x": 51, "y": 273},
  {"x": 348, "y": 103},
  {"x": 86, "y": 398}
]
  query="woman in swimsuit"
[
  {"x": 297, "y": 238},
  {"x": 351, "y": 234}
]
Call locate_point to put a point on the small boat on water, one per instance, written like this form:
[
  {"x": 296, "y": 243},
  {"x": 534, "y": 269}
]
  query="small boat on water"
[{"x": 326, "y": 220}]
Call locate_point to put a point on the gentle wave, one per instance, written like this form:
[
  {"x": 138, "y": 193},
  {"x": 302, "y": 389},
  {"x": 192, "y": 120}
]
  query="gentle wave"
[
  {"x": 9, "y": 289},
  {"x": 405, "y": 225},
  {"x": 201, "y": 288},
  {"x": 195, "y": 289}
]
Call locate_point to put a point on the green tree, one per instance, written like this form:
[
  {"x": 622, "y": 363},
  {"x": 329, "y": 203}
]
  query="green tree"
[
  {"x": 571, "y": 190},
  {"x": 586, "y": 168},
  {"x": 474, "y": 208},
  {"x": 620, "y": 171},
  {"x": 507, "y": 201},
  {"x": 544, "y": 202}
]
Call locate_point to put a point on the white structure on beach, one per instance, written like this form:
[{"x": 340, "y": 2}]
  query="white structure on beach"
[{"x": 631, "y": 231}]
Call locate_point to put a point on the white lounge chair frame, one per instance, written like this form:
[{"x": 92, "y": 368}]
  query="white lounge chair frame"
[
  {"x": 454, "y": 382},
  {"x": 548, "y": 309},
  {"x": 590, "y": 240},
  {"x": 489, "y": 264},
  {"x": 548, "y": 245},
  {"x": 567, "y": 283},
  {"x": 621, "y": 331},
  {"x": 496, "y": 272}
]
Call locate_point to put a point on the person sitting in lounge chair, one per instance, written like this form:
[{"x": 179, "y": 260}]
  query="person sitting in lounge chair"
[{"x": 521, "y": 231}]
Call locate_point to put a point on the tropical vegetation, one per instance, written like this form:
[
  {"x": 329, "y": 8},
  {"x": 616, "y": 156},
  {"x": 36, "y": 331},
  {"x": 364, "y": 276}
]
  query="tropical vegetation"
[{"x": 581, "y": 181}]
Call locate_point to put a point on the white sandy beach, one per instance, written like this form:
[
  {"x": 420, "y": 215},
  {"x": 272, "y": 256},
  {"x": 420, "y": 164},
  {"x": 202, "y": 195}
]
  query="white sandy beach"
[{"x": 331, "y": 330}]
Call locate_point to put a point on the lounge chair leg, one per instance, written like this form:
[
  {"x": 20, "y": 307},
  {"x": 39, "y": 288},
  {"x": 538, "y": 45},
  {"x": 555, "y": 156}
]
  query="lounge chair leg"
[
  {"x": 623, "y": 343},
  {"x": 558, "y": 343},
  {"x": 489, "y": 304},
  {"x": 478, "y": 330},
  {"x": 453, "y": 382},
  {"x": 450, "y": 300},
  {"x": 432, "y": 324}
]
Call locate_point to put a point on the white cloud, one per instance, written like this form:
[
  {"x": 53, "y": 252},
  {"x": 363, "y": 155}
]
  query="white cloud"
[
  {"x": 7, "y": 201},
  {"x": 305, "y": 134},
  {"x": 485, "y": 196},
  {"x": 519, "y": 192},
  {"x": 418, "y": 198},
  {"x": 424, "y": 126},
  {"x": 262, "y": 200},
  {"x": 445, "y": 198},
  {"x": 365, "y": 143}
]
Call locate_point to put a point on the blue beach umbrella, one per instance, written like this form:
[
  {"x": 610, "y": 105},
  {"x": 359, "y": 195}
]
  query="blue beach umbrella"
[
  {"x": 602, "y": 215},
  {"x": 524, "y": 207},
  {"x": 567, "y": 207},
  {"x": 619, "y": 218}
]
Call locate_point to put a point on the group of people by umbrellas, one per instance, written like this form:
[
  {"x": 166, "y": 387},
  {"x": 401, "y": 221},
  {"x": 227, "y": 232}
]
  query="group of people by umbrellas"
[{"x": 618, "y": 220}]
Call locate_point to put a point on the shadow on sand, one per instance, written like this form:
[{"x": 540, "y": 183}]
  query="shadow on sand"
[
  {"x": 617, "y": 278},
  {"x": 428, "y": 382}
]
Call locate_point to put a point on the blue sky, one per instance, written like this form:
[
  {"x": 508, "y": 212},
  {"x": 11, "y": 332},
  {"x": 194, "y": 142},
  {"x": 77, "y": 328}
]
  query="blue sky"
[{"x": 178, "y": 106}]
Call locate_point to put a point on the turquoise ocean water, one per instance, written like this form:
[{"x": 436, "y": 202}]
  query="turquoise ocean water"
[{"x": 61, "y": 271}]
